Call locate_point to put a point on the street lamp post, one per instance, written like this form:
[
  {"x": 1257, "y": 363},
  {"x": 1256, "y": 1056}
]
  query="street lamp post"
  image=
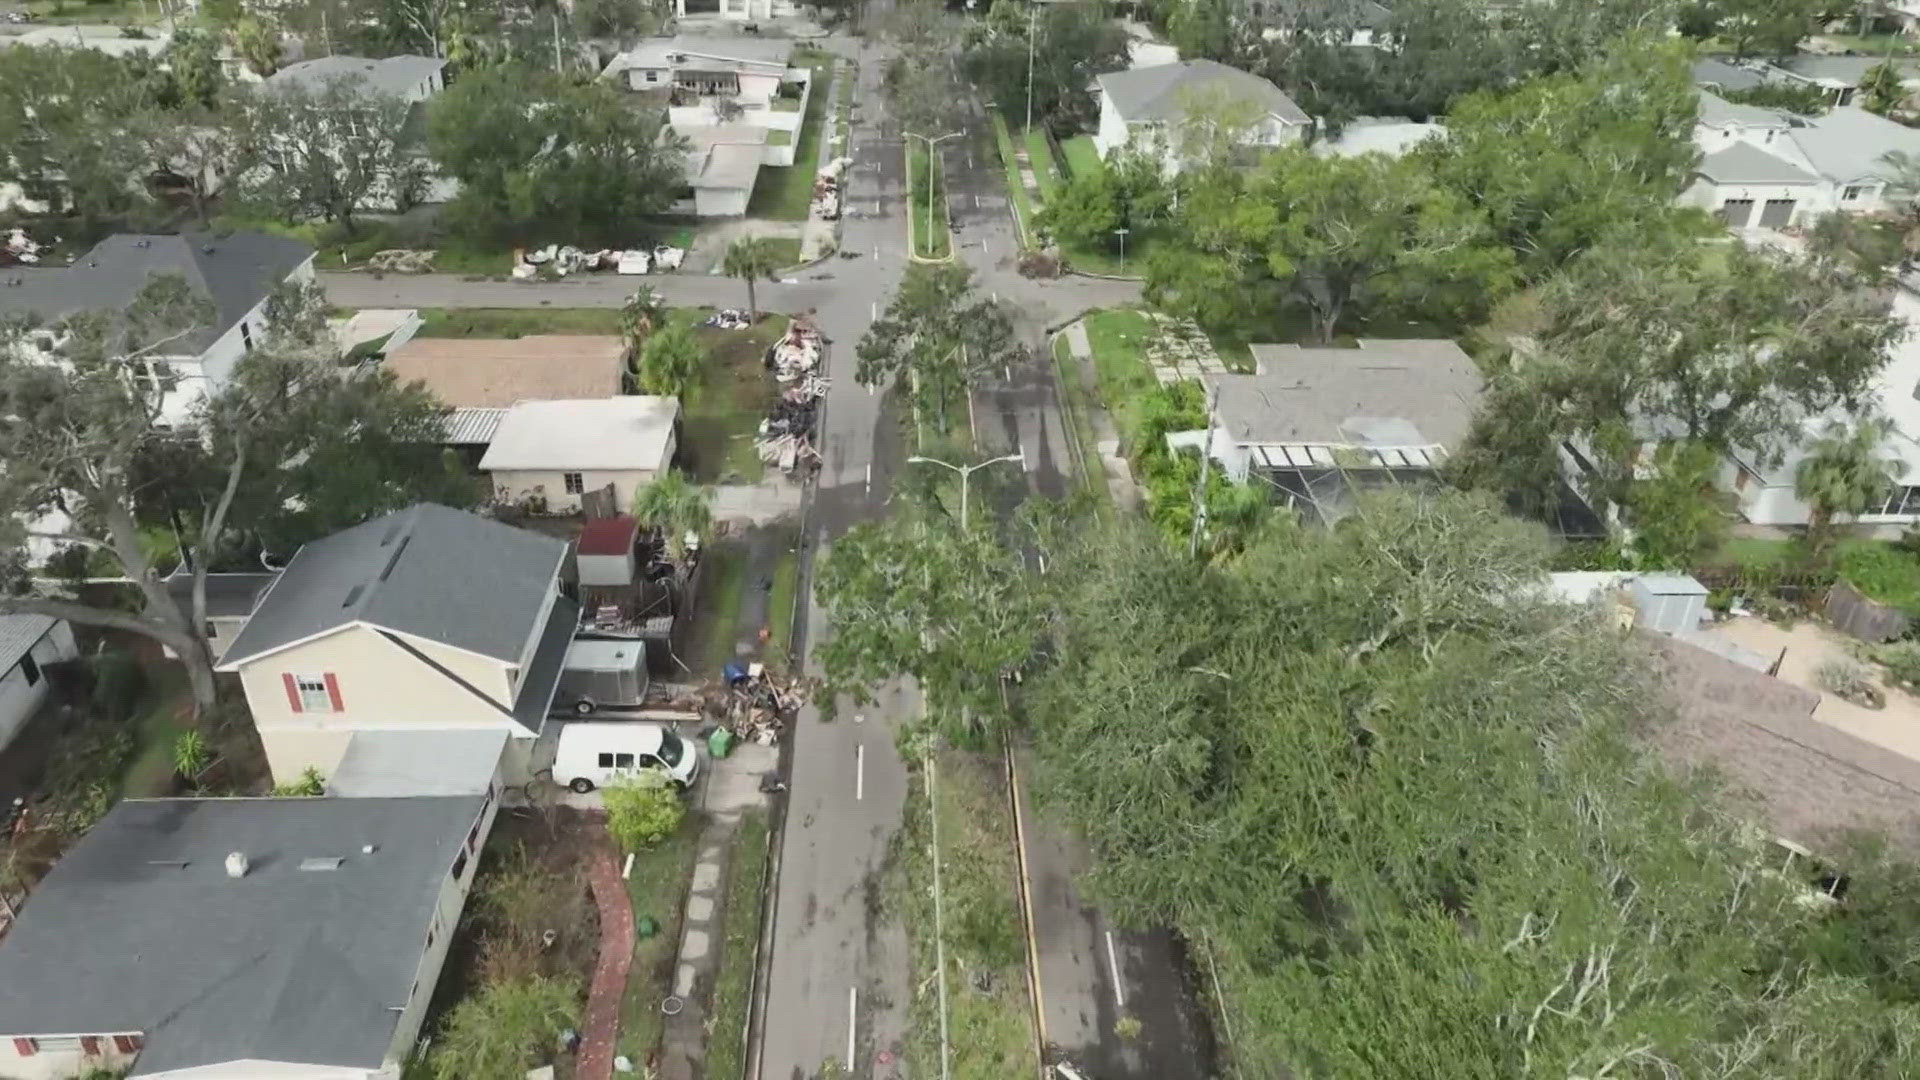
[
  {"x": 1032, "y": 10},
  {"x": 1122, "y": 234},
  {"x": 931, "y": 142},
  {"x": 966, "y": 473}
]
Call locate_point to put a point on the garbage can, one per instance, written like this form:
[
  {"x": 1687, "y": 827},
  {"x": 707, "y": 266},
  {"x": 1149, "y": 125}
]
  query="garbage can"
[{"x": 720, "y": 743}]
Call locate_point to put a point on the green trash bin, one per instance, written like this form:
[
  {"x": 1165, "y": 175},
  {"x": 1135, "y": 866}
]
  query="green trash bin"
[{"x": 720, "y": 743}]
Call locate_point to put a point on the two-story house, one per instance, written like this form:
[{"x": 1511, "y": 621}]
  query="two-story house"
[
  {"x": 1162, "y": 110},
  {"x": 427, "y": 618},
  {"x": 1767, "y": 168},
  {"x": 235, "y": 273}
]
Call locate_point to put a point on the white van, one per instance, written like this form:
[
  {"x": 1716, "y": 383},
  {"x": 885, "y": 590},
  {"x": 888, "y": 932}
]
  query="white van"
[{"x": 592, "y": 755}]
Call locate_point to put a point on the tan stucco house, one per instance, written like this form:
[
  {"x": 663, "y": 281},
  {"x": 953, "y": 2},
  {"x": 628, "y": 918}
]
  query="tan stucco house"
[{"x": 425, "y": 619}]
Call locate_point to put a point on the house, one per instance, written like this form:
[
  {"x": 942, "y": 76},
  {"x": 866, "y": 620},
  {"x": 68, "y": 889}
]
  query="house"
[
  {"x": 494, "y": 373},
  {"x": 1764, "y": 491},
  {"x": 751, "y": 70},
  {"x": 1840, "y": 76},
  {"x": 425, "y": 619},
  {"x": 742, "y": 10},
  {"x": 235, "y": 273},
  {"x": 1766, "y": 168},
  {"x": 1393, "y": 136},
  {"x": 210, "y": 939},
  {"x": 723, "y": 165},
  {"x": 1357, "y": 23},
  {"x": 732, "y": 92},
  {"x": 1721, "y": 76},
  {"x": 28, "y": 644},
  {"x": 554, "y": 452},
  {"x": 230, "y": 600},
  {"x": 1156, "y": 109},
  {"x": 412, "y": 79}
]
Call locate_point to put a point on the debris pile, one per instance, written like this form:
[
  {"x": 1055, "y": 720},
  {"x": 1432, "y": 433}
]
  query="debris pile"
[
  {"x": 559, "y": 260},
  {"x": 786, "y": 435},
  {"x": 748, "y": 700},
  {"x": 728, "y": 319},
  {"x": 19, "y": 248},
  {"x": 827, "y": 190},
  {"x": 402, "y": 260}
]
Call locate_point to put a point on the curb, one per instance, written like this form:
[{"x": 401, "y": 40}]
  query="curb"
[
  {"x": 1026, "y": 910},
  {"x": 952, "y": 251},
  {"x": 1101, "y": 277}
]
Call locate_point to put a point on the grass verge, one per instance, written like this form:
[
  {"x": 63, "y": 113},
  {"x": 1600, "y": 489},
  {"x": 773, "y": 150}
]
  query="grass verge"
[
  {"x": 1114, "y": 258},
  {"x": 739, "y": 936},
  {"x": 989, "y": 1013},
  {"x": 1074, "y": 400},
  {"x": 515, "y": 322},
  {"x": 783, "y": 193},
  {"x": 785, "y": 249},
  {"x": 1081, "y": 156},
  {"x": 780, "y": 602},
  {"x": 1046, "y": 171},
  {"x": 721, "y": 414},
  {"x": 1016, "y": 190},
  {"x": 927, "y": 220},
  {"x": 658, "y": 890},
  {"x": 1119, "y": 339}
]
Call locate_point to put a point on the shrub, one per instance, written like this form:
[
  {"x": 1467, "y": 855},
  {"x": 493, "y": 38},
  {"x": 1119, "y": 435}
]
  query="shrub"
[
  {"x": 309, "y": 783},
  {"x": 1849, "y": 680},
  {"x": 118, "y": 682},
  {"x": 1902, "y": 661},
  {"x": 1884, "y": 573},
  {"x": 504, "y": 1030},
  {"x": 643, "y": 811}
]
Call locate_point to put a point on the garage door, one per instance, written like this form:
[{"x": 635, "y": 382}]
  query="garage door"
[
  {"x": 1776, "y": 214},
  {"x": 1737, "y": 212}
]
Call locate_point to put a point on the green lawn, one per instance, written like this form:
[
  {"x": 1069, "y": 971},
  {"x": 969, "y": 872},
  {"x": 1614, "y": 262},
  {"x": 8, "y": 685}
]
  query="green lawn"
[
  {"x": 723, "y": 584},
  {"x": 780, "y": 604},
  {"x": 1046, "y": 171},
  {"x": 120, "y": 12},
  {"x": 1119, "y": 339},
  {"x": 515, "y": 322},
  {"x": 721, "y": 415},
  {"x": 1017, "y": 191},
  {"x": 779, "y": 138},
  {"x": 785, "y": 249},
  {"x": 1081, "y": 156},
  {"x": 1078, "y": 406},
  {"x": 927, "y": 227},
  {"x": 783, "y": 193},
  {"x": 1114, "y": 260},
  {"x": 739, "y": 939},
  {"x": 658, "y": 889},
  {"x": 164, "y": 712}
]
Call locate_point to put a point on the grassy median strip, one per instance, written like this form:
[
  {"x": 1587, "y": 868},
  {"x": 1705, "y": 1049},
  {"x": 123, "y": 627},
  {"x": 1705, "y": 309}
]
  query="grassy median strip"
[
  {"x": 1046, "y": 171},
  {"x": 989, "y": 1014},
  {"x": 927, "y": 227},
  {"x": 740, "y": 935},
  {"x": 1016, "y": 190},
  {"x": 1075, "y": 403}
]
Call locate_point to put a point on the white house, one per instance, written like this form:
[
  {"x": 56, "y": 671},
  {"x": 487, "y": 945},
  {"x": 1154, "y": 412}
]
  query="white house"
[
  {"x": 1765, "y": 495},
  {"x": 722, "y": 91},
  {"x": 1765, "y": 168},
  {"x": 1157, "y": 108},
  {"x": 236, "y": 273},
  {"x": 743, "y": 10},
  {"x": 427, "y": 619},
  {"x": 557, "y": 450},
  {"x": 28, "y": 643},
  {"x": 218, "y": 939}
]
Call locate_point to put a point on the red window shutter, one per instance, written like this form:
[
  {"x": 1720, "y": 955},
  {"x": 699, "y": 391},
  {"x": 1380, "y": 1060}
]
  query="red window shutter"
[
  {"x": 126, "y": 1044},
  {"x": 89, "y": 1044},
  {"x": 25, "y": 1047},
  {"x": 333, "y": 693},
  {"x": 293, "y": 690}
]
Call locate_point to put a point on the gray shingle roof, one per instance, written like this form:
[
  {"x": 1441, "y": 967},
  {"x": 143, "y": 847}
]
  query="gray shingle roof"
[
  {"x": 1425, "y": 390},
  {"x": 1845, "y": 70},
  {"x": 1745, "y": 163},
  {"x": 139, "y": 928},
  {"x": 393, "y": 76},
  {"x": 228, "y": 595},
  {"x": 432, "y": 572},
  {"x": 1847, "y": 144},
  {"x": 19, "y": 634},
  {"x": 1725, "y": 76},
  {"x": 1719, "y": 112},
  {"x": 234, "y": 272},
  {"x": 1165, "y": 92},
  {"x": 418, "y": 763}
]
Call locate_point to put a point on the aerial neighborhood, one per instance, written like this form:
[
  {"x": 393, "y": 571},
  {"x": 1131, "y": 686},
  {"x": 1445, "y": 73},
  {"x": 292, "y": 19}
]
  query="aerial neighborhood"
[{"x": 736, "y": 539}]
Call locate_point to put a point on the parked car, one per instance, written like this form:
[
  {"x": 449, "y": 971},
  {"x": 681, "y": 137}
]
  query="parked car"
[
  {"x": 596, "y": 754},
  {"x": 603, "y": 674}
]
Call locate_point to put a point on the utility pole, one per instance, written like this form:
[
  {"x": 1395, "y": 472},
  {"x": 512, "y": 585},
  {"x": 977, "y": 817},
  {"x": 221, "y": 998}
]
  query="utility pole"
[
  {"x": 931, "y": 144},
  {"x": 1200, "y": 489},
  {"x": 556, "y": 42},
  {"x": 1032, "y": 10}
]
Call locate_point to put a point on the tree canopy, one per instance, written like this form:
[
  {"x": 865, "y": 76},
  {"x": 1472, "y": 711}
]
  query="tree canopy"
[
  {"x": 937, "y": 335},
  {"x": 1071, "y": 44}
]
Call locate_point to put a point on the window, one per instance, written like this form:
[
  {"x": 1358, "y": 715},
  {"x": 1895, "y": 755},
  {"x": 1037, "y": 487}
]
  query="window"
[
  {"x": 1900, "y": 501},
  {"x": 1851, "y": 192},
  {"x": 314, "y": 696},
  {"x": 59, "y": 1044},
  {"x": 574, "y": 483},
  {"x": 459, "y": 865},
  {"x": 623, "y": 761},
  {"x": 671, "y": 749},
  {"x": 25, "y": 1047},
  {"x": 653, "y": 76},
  {"x": 127, "y": 1044},
  {"x": 246, "y": 335},
  {"x": 30, "y": 669},
  {"x": 606, "y": 761}
]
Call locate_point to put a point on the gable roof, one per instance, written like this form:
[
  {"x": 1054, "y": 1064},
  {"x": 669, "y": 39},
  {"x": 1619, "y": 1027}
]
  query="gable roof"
[
  {"x": 608, "y": 536},
  {"x": 428, "y": 571},
  {"x": 1716, "y": 111},
  {"x": 393, "y": 76},
  {"x": 493, "y": 373},
  {"x": 140, "y": 928},
  {"x": 1841, "y": 70},
  {"x": 1745, "y": 163},
  {"x": 1809, "y": 781},
  {"x": 1385, "y": 393},
  {"x": 19, "y": 634},
  {"x": 234, "y": 272},
  {"x": 1165, "y": 91},
  {"x": 419, "y": 763},
  {"x": 631, "y": 432},
  {"x": 1847, "y": 143},
  {"x": 1711, "y": 71}
]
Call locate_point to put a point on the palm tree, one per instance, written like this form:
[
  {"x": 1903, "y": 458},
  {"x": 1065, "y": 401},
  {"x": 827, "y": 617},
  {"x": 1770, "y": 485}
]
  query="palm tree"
[
  {"x": 675, "y": 506},
  {"x": 1844, "y": 473},
  {"x": 668, "y": 362},
  {"x": 641, "y": 315},
  {"x": 749, "y": 259}
]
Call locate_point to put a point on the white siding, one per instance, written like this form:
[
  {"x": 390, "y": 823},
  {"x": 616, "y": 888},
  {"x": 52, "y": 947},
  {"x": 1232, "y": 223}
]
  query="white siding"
[
  {"x": 1112, "y": 132},
  {"x": 18, "y": 697},
  {"x": 514, "y": 485}
]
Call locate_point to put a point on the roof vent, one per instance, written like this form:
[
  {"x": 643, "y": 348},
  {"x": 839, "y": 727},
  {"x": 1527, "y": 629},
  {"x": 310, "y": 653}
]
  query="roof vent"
[
  {"x": 236, "y": 864},
  {"x": 325, "y": 862},
  {"x": 368, "y": 849},
  {"x": 143, "y": 243}
]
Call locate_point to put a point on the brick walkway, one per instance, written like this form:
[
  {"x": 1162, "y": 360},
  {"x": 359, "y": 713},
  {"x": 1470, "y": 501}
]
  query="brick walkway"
[{"x": 602, "y": 1028}]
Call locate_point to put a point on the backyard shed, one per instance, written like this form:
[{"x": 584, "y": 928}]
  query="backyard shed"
[
  {"x": 553, "y": 452},
  {"x": 27, "y": 644},
  {"x": 604, "y": 552},
  {"x": 1669, "y": 603}
]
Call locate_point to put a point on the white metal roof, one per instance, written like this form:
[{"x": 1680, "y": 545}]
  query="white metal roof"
[
  {"x": 473, "y": 426},
  {"x": 598, "y": 655},
  {"x": 20, "y": 633},
  {"x": 1326, "y": 455},
  {"x": 618, "y": 434}
]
